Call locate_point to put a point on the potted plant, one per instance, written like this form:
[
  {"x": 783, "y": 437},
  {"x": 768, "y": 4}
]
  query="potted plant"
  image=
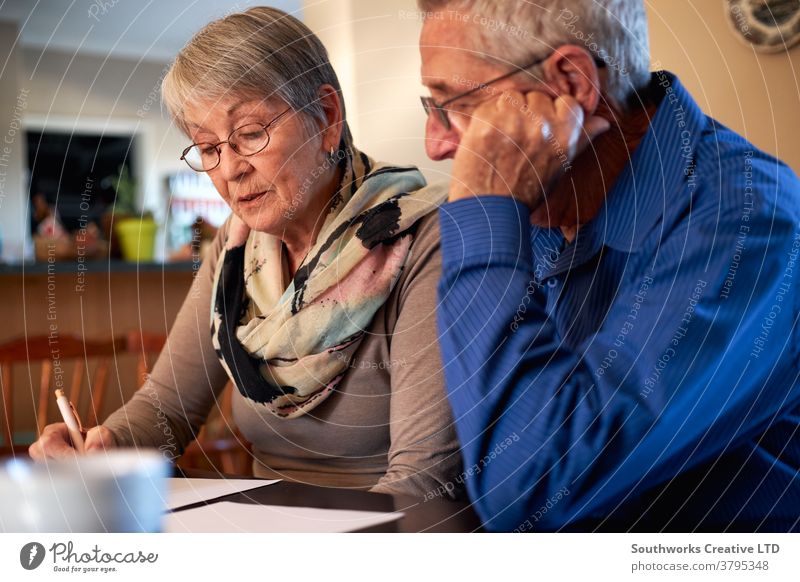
[{"x": 136, "y": 231}]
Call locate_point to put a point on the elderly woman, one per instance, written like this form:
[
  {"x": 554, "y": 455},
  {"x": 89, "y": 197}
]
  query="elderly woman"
[{"x": 320, "y": 287}]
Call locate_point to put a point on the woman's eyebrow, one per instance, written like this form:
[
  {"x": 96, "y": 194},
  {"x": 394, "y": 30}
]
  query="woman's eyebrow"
[
  {"x": 232, "y": 109},
  {"x": 195, "y": 130},
  {"x": 260, "y": 108}
]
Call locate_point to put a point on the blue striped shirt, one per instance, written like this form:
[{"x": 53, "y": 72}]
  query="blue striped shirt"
[{"x": 645, "y": 376}]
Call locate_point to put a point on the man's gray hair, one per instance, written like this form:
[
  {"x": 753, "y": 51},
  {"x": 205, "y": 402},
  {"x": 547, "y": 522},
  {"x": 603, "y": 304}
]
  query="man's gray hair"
[
  {"x": 259, "y": 54},
  {"x": 516, "y": 31}
]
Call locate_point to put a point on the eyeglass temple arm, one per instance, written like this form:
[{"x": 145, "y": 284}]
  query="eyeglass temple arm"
[
  {"x": 278, "y": 117},
  {"x": 599, "y": 63},
  {"x": 483, "y": 86}
]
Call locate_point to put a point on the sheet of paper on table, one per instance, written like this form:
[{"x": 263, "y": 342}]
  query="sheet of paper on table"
[
  {"x": 187, "y": 491},
  {"x": 228, "y": 517}
]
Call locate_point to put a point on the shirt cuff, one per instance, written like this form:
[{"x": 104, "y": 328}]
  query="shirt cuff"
[{"x": 485, "y": 230}]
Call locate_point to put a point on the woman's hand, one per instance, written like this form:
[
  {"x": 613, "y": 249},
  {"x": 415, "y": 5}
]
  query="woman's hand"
[
  {"x": 519, "y": 145},
  {"x": 54, "y": 443}
]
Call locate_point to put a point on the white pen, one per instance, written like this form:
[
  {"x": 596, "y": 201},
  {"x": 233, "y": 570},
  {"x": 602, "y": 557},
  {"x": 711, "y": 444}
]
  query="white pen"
[{"x": 72, "y": 420}]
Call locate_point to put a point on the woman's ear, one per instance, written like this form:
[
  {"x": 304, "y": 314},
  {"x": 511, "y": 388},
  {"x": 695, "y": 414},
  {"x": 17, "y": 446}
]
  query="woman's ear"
[
  {"x": 571, "y": 70},
  {"x": 331, "y": 130}
]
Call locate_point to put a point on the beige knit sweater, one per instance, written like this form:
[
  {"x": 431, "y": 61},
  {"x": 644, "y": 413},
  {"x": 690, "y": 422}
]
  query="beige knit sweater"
[{"x": 389, "y": 426}]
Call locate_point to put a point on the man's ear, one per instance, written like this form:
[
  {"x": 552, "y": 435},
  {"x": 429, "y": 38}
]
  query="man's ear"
[
  {"x": 571, "y": 70},
  {"x": 331, "y": 129}
]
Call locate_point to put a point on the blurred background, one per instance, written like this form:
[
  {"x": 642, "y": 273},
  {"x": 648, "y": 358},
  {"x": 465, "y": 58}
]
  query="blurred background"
[
  {"x": 80, "y": 100},
  {"x": 86, "y": 142}
]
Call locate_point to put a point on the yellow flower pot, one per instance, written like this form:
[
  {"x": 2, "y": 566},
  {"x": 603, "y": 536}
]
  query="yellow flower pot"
[{"x": 137, "y": 238}]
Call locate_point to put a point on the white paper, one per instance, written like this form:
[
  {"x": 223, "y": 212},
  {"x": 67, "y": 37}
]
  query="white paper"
[
  {"x": 228, "y": 517},
  {"x": 187, "y": 491}
]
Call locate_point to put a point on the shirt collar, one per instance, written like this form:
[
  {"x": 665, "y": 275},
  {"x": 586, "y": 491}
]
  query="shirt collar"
[{"x": 662, "y": 164}]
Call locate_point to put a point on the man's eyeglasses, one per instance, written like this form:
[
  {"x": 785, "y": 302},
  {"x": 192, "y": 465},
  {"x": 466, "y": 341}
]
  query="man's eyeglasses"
[
  {"x": 247, "y": 140},
  {"x": 439, "y": 109}
]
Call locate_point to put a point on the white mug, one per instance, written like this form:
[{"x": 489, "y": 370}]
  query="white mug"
[{"x": 114, "y": 491}]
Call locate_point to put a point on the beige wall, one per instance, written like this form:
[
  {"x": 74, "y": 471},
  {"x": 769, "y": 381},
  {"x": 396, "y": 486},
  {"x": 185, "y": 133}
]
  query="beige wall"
[
  {"x": 14, "y": 102},
  {"x": 373, "y": 44},
  {"x": 754, "y": 94}
]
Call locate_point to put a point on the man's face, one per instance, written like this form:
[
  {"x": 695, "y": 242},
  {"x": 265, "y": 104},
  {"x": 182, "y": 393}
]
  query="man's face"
[{"x": 451, "y": 65}]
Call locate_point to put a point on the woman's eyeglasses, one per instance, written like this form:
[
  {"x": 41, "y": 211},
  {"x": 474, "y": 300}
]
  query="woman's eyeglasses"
[
  {"x": 439, "y": 109},
  {"x": 247, "y": 140}
]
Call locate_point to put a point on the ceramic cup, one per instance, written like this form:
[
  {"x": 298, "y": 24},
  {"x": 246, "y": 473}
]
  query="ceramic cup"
[{"x": 114, "y": 491}]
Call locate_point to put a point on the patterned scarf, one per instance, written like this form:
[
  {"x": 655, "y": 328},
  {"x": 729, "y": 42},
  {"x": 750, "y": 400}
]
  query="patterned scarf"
[{"x": 288, "y": 347}]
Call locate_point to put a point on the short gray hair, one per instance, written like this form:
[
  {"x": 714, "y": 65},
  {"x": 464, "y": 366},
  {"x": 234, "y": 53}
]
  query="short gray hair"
[
  {"x": 516, "y": 31},
  {"x": 260, "y": 53}
]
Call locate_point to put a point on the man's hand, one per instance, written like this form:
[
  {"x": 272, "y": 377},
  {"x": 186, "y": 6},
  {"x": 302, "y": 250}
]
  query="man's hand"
[
  {"x": 518, "y": 145},
  {"x": 54, "y": 442}
]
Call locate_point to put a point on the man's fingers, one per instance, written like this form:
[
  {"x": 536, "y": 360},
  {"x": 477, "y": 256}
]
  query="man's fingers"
[
  {"x": 515, "y": 145},
  {"x": 567, "y": 108},
  {"x": 510, "y": 99},
  {"x": 540, "y": 104},
  {"x": 593, "y": 128},
  {"x": 493, "y": 115},
  {"x": 570, "y": 111},
  {"x": 596, "y": 126}
]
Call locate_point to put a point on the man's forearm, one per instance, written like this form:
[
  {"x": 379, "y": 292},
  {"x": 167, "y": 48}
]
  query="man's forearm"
[{"x": 503, "y": 363}]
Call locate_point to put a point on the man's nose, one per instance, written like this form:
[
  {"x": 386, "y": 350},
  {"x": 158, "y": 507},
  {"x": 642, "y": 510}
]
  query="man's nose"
[{"x": 440, "y": 143}]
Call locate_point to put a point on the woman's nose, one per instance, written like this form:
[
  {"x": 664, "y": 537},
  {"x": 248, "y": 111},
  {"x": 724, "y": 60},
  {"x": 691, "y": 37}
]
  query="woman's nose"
[
  {"x": 232, "y": 166},
  {"x": 440, "y": 143}
]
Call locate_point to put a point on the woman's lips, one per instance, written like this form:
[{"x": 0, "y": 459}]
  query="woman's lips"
[{"x": 252, "y": 200}]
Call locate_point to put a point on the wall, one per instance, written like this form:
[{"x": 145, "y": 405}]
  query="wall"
[
  {"x": 374, "y": 47},
  {"x": 14, "y": 101},
  {"x": 754, "y": 94}
]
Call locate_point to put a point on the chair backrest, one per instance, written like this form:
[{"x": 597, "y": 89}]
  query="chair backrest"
[
  {"x": 146, "y": 346},
  {"x": 54, "y": 356}
]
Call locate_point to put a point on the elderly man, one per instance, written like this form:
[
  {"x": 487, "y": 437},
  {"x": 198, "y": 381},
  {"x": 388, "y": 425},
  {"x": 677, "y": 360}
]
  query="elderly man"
[{"x": 618, "y": 305}]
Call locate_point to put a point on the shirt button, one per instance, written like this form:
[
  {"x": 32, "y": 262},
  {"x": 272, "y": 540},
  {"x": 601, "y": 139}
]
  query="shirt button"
[{"x": 552, "y": 282}]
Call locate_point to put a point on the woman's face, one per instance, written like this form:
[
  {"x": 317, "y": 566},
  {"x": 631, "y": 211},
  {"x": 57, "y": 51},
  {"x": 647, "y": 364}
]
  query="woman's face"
[{"x": 270, "y": 191}]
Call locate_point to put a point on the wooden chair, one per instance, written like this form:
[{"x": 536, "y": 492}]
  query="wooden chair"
[
  {"x": 146, "y": 346},
  {"x": 58, "y": 358},
  {"x": 219, "y": 446}
]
